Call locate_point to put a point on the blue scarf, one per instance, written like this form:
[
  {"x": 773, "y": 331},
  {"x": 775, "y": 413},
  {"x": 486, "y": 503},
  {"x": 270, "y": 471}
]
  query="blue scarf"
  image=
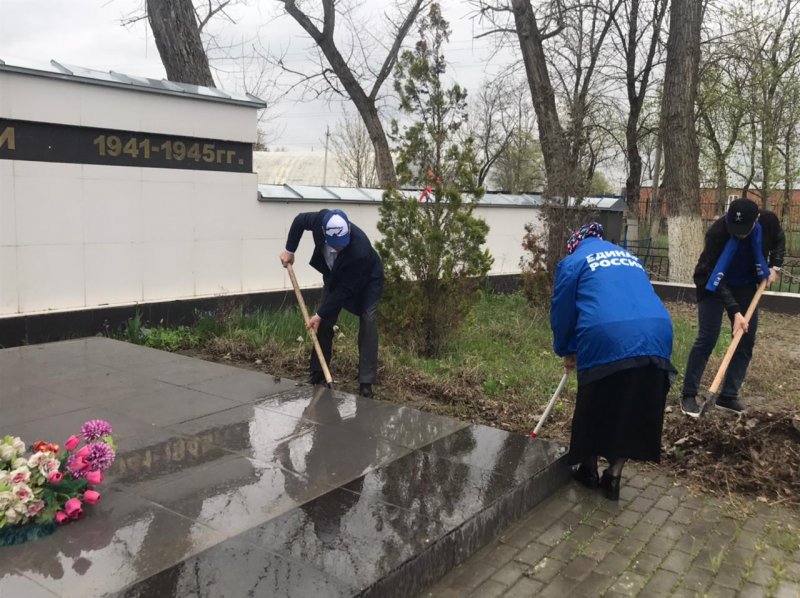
[{"x": 762, "y": 268}]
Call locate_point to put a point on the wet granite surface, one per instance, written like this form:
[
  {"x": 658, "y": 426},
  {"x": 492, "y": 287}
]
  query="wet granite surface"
[{"x": 230, "y": 482}]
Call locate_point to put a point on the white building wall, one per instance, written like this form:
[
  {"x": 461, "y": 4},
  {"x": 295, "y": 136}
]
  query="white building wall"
[{"x": 78, "y": 236}]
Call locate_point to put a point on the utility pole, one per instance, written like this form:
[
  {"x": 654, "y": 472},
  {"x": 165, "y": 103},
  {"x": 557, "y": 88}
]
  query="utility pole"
[{"x": 325, "y": 167}]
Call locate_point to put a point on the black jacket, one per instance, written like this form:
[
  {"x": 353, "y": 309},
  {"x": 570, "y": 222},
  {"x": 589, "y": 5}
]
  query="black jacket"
[
  {"x": 356, "y": 281},
  {"x": 773, "y": 246}
]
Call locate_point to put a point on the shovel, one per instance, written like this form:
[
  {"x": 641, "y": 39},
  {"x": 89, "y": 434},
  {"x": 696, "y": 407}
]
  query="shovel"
[
  {"x": 549, "y": 407},
  {"x": 713, "y": 392},
  {"x": 325, "y": 371}
]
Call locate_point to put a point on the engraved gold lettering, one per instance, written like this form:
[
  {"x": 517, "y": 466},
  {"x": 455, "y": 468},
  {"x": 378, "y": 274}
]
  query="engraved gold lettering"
[
  {"x": 100, "y": 142},
  {"x": 131, "y": 148},
  {"x": 8, "y": 138},
  {"x": 114, "y": 145},
  {"x": 144, "y": 145}
]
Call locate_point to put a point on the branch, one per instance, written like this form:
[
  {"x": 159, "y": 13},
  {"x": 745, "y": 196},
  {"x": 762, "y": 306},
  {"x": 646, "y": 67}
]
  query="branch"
[
  {"x": 303, "y": 20},
  {"x": 495, "y": 31},
  {"x": 211, "y": 13},
  {"x": 391, "y": 57},
  {"x": 329, "y": 18}
]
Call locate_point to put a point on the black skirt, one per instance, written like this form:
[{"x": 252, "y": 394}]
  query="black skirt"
[{"x": 620, "y": 416}]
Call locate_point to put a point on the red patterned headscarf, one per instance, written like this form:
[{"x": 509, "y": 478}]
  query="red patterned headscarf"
[{"x": 594, "y": 229}]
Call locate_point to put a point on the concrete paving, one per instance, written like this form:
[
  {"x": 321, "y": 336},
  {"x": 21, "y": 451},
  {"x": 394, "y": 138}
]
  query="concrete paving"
[
  {"x": 659, "y": 540},
  {"x": 231, "y": 483}
]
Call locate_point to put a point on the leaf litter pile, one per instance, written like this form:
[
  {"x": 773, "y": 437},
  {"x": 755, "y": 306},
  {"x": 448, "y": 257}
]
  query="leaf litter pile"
[{"x": 757, "y": 453}]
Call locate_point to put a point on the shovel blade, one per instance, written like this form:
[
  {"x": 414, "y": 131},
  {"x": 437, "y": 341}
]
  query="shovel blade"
[{"x": 708, "y": 403}]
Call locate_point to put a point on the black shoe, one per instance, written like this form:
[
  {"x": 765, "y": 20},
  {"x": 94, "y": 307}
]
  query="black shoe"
[
  {"x": 586, "y": 476},
  {"x": 365, "y": 390},
  {"x": 689, "y": 407},
  {"x": 730, "y": 404},
  {"x": 316, "y": 378},
  {"x": 610, "y": 485}
]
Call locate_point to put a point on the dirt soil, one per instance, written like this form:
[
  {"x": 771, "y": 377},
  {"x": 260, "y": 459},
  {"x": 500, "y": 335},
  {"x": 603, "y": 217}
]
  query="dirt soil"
[{"x": 753, "y": 456}]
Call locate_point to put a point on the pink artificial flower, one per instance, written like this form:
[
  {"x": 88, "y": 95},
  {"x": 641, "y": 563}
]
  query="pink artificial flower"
[
  {"x": 94, "y": 477},
  {"x": 90, "y": 497},
  {"x": 78, "y": 464},
  {"x": 19, "y": 476},
  {"x": 62, "y": 518},
  {"x": 23, "y": 493},
  {"x": 35, "y": 507},
  {"x": 73, "y": 508},
  {"x": 55, "y": 477},
  {"x": 83, "y": 452},
  {"x": 71, "y": 443}
]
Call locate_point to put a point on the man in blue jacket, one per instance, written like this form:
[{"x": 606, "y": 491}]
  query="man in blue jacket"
[
  {"x": 352, "y": 276},
  {"x": 609, "y": 323},
  {"x": 741, "y": 248}
]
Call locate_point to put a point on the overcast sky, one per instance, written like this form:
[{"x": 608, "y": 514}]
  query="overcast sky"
[{"x": 89, "y": 33}]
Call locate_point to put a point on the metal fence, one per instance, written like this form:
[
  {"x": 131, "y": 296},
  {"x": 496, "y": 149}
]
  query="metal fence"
[{"x": 656, "y": 261}]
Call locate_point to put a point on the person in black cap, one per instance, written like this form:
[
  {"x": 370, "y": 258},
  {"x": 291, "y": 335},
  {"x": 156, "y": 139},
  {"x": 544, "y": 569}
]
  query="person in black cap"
[
  {"x": 352, "y": 276},
  {"x": 741, "y": 248}
]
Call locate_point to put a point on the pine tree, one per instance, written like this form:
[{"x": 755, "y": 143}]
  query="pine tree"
[{"x": 432, "y": 246}]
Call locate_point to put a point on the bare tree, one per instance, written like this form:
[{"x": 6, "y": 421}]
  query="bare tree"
[
  {"x": 721, "y": 109},
  {"x": 561, "y": 43},
  {"x": 772, "y": 47},
  {"x": 579, "y": 60},
  {"x": 350, "y": 70},
  {"x": 638, "y": 29},
  {"x": 681, "y": 153},
  {"x": 519, "y": 168},
  {"x": 500, "y": 115},
  {"x": 517, "y": 17},
  {"x": 354, "y": 152}
]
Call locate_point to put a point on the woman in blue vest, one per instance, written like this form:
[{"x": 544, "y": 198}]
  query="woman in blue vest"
[{"x": 609, "y": 323}]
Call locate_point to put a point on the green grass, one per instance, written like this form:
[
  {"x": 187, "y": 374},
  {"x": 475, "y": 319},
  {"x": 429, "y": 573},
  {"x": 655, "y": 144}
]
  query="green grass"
[
  {"x": 505, "y": 347},
  {"x": 505, "y": 344}
]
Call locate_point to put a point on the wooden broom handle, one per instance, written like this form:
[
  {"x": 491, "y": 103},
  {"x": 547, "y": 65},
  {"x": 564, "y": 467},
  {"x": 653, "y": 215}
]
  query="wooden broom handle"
[
  {"x": 326, "y": 372},
  {"x": 737, "y": 336}
]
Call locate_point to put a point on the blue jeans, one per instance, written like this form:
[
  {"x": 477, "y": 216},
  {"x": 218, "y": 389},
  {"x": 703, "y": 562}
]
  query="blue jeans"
[{"x": 710, "y": 312}]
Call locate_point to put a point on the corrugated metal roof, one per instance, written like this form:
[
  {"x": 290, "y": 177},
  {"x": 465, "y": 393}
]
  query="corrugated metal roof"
[
  {"x": 81, "y": 74},
  {"x": 361, "y": 195}
]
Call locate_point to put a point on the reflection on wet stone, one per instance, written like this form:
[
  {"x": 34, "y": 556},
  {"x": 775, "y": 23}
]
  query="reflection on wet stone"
[
  {"x": 233, "y": 494},
  {"x": 436, "y": 488},
  {"x": 235, "y": 568},
  {"x": 124, "y": 540},
  {"x": 250, "y": 431},
  {"x": 348, "y": 536},
  {"x": 511, "y": 455},
  {"x": 318, "y": 404},
  {"x": 218, "y": 491}
]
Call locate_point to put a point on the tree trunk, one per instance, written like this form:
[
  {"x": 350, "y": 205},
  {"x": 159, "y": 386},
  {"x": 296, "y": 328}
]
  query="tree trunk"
[
  {"x": 177, "y": 37},
  {"x": 681, "y": 153},
  {"x": 633, "y": 185},
  {"x": 551, "y": 135},
  {"x": 722, "y": 186},
  {"x": 384, "y": 164},
  {"x": 655, "y": 195}
]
